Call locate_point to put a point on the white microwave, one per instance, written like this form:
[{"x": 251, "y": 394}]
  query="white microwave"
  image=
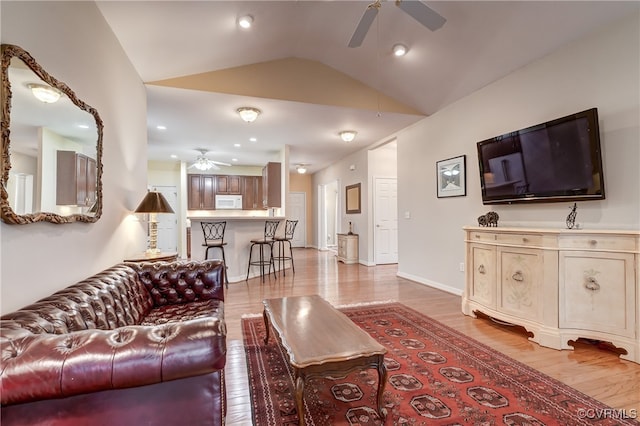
[{"x": 229, "y": 202}]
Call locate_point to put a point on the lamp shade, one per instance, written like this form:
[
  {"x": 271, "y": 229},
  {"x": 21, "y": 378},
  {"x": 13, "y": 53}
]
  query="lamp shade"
[{"x": 154, "y": 202}]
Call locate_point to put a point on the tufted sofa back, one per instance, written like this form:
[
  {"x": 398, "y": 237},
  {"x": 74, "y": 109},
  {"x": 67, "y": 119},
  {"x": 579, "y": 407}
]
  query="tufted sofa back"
[{"x": 113, "y": 298}]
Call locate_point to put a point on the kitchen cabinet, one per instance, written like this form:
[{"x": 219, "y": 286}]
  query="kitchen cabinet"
[
  {"x": 348, "y": 248},
  {"x": 252, "y": 195},
  {"x": 76, "y": 179},
  {"x": 271, "y": 185},
  {"x": 560, "y": 285},
  {"x": 201, "y": 192},
  {"x": 229, "y": 184}
]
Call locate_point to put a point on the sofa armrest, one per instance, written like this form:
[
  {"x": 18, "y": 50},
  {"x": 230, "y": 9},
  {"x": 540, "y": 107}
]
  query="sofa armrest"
[
  {"x": 182, "y": 282},
  {"x": 49, "y": 366}
]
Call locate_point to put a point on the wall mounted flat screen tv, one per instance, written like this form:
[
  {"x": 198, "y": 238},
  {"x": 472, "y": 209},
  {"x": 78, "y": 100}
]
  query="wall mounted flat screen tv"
[{"x": 559, "y": 160}]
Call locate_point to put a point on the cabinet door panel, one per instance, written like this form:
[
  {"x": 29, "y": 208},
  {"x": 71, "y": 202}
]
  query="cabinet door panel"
[
  {"x": 519, "y": 289},
  {"x": 194, "y": 201},
  {"x": 483, "y": 284},
  {"x": 208, "y": 192},
  {"x": 597, "y": 292}
]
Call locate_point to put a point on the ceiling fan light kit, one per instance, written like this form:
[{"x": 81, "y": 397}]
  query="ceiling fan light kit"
[
  {"x": 202, "y": 163},
  {"x": 419, "y": 11},
  {"x": 249, "y": 114},
  {"x": 301, "y": 168},
  {"x": 348, "y": 135}
]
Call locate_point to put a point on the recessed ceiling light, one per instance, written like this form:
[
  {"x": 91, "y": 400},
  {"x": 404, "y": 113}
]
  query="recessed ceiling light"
[
  {"x": 161, "y": 127},
  {"x": 237, "y": 145},
  {"x": 399, "y": 49},
  {"x": 234, "y": 160},
  {"x": 83, "y": 126},
  {"x": 174, "y": 156},
  {"x": 245, "y": 21},
  {"x": 253, "y": 139}
]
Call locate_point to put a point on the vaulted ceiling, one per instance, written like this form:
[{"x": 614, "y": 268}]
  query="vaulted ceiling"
[{"x": 295, "y": 66}]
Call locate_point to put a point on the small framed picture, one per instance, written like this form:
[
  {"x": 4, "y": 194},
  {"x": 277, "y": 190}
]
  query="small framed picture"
[{"x": 452, "y": 177}]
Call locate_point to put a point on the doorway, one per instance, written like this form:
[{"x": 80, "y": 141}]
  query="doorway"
[{"x": 328, "y": 213}]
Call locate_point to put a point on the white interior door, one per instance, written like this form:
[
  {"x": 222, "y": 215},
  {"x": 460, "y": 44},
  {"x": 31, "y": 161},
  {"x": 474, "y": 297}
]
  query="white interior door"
[
  {"x": 297, "y": 209},
  {"x": 386, "y": 220},
  {"x": 168, "y": 223}
]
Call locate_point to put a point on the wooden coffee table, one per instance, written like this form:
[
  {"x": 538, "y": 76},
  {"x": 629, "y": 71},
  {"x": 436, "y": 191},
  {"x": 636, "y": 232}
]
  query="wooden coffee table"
[{"x": 321, "y": 341}]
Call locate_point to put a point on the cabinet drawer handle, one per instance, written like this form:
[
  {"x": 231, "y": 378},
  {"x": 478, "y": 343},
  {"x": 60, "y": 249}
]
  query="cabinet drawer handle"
[
  {"x": 481, "y": 270},
  {"x": 525, "y": 240},
  {"x": 517, "y": 276},
  {"x": 591, "y": 284},
  {"x": 593, "y": 242}
]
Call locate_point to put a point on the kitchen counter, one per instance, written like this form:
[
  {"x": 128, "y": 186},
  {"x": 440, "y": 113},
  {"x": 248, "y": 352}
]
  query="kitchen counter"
[{"x": 238, "y": 234}]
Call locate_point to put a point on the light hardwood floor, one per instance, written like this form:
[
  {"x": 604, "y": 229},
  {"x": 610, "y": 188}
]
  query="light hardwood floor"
[{"x": 595, "y": 372}]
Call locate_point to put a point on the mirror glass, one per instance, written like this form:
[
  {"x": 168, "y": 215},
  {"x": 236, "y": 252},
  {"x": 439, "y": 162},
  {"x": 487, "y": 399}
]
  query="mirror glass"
[{"x": 52, "y": 150}]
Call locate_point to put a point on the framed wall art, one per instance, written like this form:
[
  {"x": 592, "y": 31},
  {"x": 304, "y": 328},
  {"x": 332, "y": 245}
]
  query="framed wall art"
[
  {"x": 353, "y": 198},
  {"x": 452, "y": 177}
]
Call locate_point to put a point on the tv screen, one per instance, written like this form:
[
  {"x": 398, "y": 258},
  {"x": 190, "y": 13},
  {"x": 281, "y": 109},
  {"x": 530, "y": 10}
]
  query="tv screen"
[{"x": 559, "y": 160}]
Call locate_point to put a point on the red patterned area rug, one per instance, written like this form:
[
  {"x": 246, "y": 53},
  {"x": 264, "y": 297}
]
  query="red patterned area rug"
[{"x": 435, "y": 376}]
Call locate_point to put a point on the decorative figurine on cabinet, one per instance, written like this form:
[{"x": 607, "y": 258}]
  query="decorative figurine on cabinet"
[
  {"x": 489, "y": 219},
  {"x": 571, "y": 219}
]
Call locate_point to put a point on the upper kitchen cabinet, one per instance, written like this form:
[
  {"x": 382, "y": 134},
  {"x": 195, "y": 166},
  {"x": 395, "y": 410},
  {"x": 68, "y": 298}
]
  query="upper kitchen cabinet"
[
  {"x": 252, "y": 195},
  {"x": 201, "y": 192},
  {"x": 75, "y": 179},
  {"x": 229, "y": 185},
  {"x": 271, "y": 185}
]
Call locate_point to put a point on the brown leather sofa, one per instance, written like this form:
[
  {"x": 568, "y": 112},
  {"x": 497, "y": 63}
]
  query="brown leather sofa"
[{"x": 137, "y": 344}]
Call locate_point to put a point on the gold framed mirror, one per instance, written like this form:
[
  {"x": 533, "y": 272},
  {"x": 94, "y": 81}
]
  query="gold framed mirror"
[{"x": 51, "y": 165}]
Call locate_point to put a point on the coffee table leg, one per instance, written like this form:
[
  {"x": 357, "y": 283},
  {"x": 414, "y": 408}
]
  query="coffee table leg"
[
  {"x": 299, "y": 399},
  {"x": 382, "y": 381},
  {"x": 266, "y": 325}
]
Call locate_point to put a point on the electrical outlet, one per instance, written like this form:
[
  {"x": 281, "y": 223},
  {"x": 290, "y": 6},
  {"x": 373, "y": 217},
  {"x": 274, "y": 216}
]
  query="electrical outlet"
[{"x": 461, "y": 266}]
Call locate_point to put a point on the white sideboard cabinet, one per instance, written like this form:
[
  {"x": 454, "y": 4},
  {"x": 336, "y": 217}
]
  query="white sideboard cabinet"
[
  {"x": 560, "y": 285},
  {"x": 348, "y": 248}
]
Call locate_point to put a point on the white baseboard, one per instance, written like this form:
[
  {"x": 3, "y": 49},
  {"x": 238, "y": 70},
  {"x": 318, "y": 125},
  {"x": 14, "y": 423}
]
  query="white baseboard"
[{"x": 439, "y": 286}]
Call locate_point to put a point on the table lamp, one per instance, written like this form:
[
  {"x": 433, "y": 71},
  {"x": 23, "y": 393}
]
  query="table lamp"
[{"x": 153, "y": 203}]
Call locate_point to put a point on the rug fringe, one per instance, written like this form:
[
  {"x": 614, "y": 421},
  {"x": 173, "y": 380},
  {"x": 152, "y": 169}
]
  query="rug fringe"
[{"x": 357, "y": 305}]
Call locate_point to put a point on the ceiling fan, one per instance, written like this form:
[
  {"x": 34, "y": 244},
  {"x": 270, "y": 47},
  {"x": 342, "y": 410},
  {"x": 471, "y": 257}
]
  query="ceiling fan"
[
  {"x": 203, "y": 163},
  {"x": 414, "y": 8}
]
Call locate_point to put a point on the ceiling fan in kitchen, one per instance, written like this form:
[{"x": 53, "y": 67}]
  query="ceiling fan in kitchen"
[
  {"x": 414, "y": 8},
  {"x": 203, "y": 163}
]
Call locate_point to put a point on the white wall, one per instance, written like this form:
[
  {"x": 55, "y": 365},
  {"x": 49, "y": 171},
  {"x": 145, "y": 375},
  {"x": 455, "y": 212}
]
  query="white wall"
[
  {"x": 601, "y": 70},
  {"x": 73, "y": 43}
]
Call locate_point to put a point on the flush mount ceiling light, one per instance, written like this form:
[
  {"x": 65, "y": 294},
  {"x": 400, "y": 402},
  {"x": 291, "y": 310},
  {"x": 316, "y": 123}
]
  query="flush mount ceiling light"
[
  {"x": 348, "y": 135},
  {"x": 249, "y": 114},
  {"x": 44, "y": 93},
  {"x": 399, "y": 49},
  {"x": 301, "y": 168},
  {"x": 245, "y": 21}
]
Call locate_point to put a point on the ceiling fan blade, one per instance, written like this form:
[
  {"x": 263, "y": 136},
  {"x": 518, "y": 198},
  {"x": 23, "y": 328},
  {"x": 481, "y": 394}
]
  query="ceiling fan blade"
[
  {"x": 220, "y": 163},
  {"x": 422, "y": 13},
  {"x": 365, "y": 23}
]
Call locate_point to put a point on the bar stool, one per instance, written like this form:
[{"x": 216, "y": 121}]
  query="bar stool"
[
  {"x": 289, "y": 229},
  {"x": 214, "y": 238},
  {"x": 270, "y": 228}
]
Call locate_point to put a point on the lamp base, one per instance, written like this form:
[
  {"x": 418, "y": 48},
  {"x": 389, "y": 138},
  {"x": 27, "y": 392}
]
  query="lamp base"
[{"x": 152, "y": 251}]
